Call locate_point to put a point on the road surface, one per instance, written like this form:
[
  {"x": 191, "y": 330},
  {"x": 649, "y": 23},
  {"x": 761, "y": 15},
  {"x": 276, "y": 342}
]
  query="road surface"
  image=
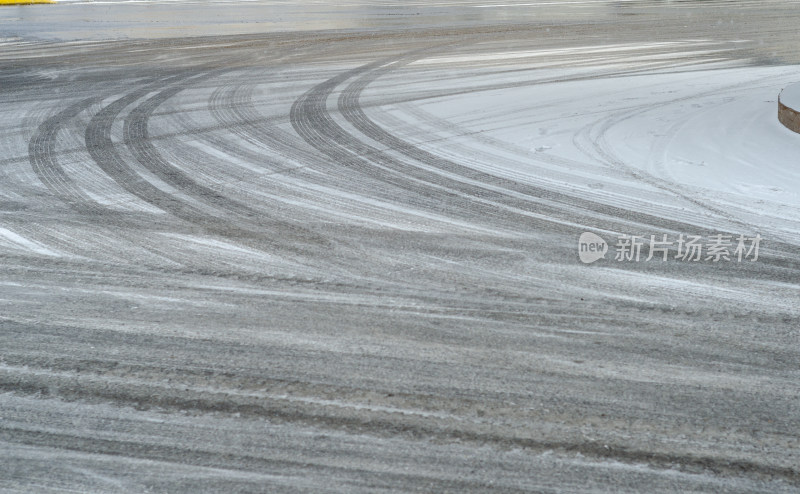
[{"x": 263, "y": 247}]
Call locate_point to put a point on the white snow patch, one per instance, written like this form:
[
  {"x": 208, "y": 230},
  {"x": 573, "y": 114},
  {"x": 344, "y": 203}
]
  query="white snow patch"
[
  {"x": 791, "y": 96},
  {"x": 14, "y": 240},
  {"x": 711, "y": 136}
]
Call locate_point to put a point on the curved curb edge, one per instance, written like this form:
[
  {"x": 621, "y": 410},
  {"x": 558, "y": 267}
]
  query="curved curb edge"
[{"x": 789, "y": 117}]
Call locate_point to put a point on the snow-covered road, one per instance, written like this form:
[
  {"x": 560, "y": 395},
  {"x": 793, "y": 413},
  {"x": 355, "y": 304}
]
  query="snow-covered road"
[{"x": 343, "y": 255}]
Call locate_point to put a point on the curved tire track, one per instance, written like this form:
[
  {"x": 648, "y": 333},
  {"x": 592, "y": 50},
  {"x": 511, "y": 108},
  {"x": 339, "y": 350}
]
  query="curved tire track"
[
  {"x": 252, "y": 224},
  {"x": 487, "y": 196},
  {"x": 43, "y": 158},
  {"x": 313, "y": 121}
]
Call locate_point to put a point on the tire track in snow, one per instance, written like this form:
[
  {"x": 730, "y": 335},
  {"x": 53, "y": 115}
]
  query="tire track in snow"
[
  {"x": 43, "y": 158},
  {"x": 137, "y": 139},
  {"x": 595, "y": 133},
  {"x": 351, "y": 109},
  {"x": 497, "y": 200},
  {"x": 458, "y": 199},
  {"x": 255, "y": 225}
]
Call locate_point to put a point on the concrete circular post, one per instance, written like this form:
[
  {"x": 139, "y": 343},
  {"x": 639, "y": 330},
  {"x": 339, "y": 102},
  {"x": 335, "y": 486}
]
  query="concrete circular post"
[{"x": 789, "y": 107}]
